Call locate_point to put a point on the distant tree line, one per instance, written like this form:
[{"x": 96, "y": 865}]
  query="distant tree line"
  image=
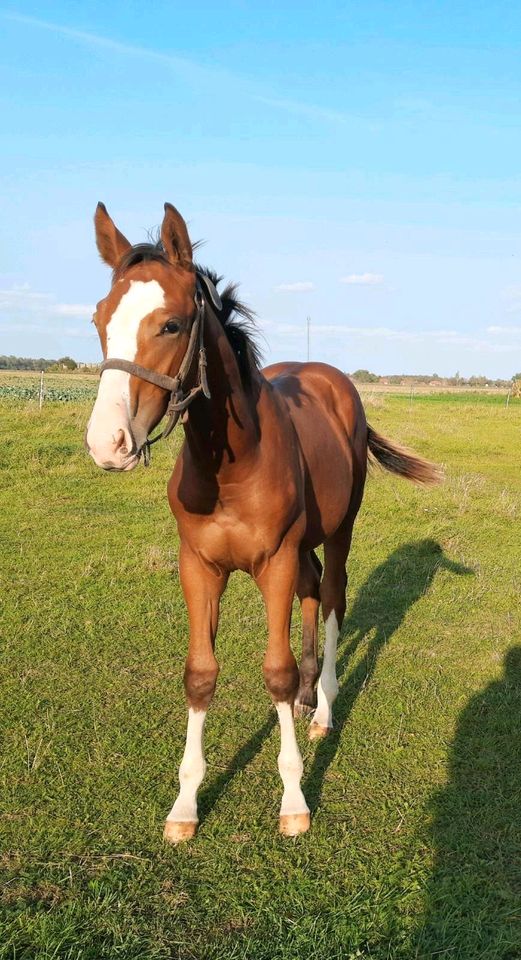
[
  {"x": 29, "y": 363},
  {"x": 365, "y": 376},
  {"x": 359, "y": 376}
]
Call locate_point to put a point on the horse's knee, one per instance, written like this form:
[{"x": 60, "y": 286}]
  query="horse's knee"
[
  {"x": 200, "y": 684},
  {"x": 281, "y": 680}
]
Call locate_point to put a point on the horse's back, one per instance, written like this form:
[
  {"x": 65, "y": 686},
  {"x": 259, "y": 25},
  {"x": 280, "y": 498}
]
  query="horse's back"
[
  {"x": 330, "y": 424},
  {"x": 321, "y": 384}
]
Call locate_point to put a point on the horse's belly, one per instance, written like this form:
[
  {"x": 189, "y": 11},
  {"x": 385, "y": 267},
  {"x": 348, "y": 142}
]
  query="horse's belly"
[
  {"x": 328, "y": 468},
  {"x": 328, "y": 493},
  {"x": 329, "y": 421}
]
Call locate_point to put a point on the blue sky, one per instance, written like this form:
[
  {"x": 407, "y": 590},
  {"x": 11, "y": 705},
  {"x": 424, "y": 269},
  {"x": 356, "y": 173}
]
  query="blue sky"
[{"x": 357, "y": 162}]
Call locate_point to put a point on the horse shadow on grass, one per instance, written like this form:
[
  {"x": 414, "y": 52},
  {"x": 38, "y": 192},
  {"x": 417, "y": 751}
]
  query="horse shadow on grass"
[
  {"x": 210, "y": 795},
  {"x": 473, "y": 898},
  {"x": 379, "y": 608},
  {"x": 378, "y": 611}
]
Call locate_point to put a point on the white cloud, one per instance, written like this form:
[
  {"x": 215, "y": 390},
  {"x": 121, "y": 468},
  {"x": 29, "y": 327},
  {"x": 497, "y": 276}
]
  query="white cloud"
[
  {"x": 22, "y": 298},
  {"x": 363, "y": 279},
  {"x": 183, "y": 64},
  {"x": 304, "y": 109},
  {"x": 452, "y": 338},
  {"x": 46, "y": 328},
  {"x": 301, "y": 286},
  {"x": 83, "y": 311},
  {"x": 190, "y": 70},
  {"x": 413, "y": 105},
  {"x": 25, "y": 310},
  {"x": 505, "y": 329},
  {"x": 511, "y": 296}
]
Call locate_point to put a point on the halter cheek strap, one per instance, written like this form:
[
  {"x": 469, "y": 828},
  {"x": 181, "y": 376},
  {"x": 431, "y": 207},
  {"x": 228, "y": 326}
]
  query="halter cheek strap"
[{"x": 179, "y": 401}]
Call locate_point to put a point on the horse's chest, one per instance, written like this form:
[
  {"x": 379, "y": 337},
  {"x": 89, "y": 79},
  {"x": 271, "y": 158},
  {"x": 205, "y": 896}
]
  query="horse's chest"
[
  {"x": 234, "y": 544},
  {"x": 245, "y": 525}
]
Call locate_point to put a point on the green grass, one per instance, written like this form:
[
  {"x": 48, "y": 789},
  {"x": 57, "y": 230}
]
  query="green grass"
[{"x": 415, "y": 846}]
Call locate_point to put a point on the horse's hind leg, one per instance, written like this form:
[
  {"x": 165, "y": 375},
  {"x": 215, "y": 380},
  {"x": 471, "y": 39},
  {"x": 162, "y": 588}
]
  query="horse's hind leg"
[
  {"x": 308, "y": 592},
  {"x": 333, "y": 598}
]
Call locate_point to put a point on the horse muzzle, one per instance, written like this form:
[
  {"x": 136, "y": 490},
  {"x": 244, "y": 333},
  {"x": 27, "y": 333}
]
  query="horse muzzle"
[{"x": 118, "y": 452}]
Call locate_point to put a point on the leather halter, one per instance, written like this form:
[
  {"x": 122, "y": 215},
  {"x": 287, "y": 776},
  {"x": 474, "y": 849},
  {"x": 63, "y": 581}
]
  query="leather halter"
[{"x": 179, "y": 401}]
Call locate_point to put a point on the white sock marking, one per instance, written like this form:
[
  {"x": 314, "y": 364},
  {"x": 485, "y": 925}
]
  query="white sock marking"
[
  {"x": 191, "y": 771},
  {"x": 111, "y": 411},
  {"x": 291, "y": 767},
  {"x": 327, "y": 687}
]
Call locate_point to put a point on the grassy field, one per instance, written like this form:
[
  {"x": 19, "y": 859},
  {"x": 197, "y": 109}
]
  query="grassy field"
[
  {"x": 65, "y": 387},
  {"x": 415, "y": 846}
]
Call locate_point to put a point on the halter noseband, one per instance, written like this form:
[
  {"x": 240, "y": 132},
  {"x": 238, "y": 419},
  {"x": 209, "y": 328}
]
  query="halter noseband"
[{"x": 179, "y": 401}]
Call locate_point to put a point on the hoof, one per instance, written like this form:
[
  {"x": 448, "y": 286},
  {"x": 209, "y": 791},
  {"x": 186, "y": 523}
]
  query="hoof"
[
  {"x": 176, "y": 831},
  {"x": 317, "y": 731},
  {"x": 302, "y": 709},
  {"x": 291, "y": 824}
]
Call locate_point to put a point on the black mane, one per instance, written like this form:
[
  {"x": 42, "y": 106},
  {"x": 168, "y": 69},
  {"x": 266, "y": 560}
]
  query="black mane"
[{"x": 237, "y": 320}]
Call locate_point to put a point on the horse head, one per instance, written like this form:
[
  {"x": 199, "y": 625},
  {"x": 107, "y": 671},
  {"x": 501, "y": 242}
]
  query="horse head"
[{"x": 145, "y": 325}]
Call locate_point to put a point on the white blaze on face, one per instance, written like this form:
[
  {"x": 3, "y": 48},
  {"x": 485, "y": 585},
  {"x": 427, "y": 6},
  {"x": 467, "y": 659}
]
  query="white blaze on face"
[{"x": 111, "y": 412}]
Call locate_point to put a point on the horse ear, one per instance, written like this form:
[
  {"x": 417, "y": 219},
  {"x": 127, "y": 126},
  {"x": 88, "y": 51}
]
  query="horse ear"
[
  {"x": 109, "y": 241},
  {"x": 174, "y": 237}
]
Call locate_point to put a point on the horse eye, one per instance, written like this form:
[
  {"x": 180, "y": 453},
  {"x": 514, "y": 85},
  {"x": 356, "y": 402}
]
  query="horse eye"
[{"x": 171, "y": 327}]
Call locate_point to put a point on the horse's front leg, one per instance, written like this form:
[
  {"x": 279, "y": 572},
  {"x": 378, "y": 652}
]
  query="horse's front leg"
[
  {"x": 278, "y": 582},
  {"x": 202, "y": 589}
]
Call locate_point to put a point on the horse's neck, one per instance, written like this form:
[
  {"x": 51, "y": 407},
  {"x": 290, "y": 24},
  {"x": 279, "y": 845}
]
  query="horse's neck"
[{"x": 221, "y": 433}]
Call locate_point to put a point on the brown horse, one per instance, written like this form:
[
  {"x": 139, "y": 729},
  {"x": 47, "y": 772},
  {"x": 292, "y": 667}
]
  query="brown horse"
[{"x": 273, "y": 464}]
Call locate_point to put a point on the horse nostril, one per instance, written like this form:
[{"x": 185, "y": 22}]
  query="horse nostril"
[{"x": 120, "y": 442}]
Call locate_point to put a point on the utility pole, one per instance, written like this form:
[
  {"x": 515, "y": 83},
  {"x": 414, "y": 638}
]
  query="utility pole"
[{"x": 308, "y": 326}]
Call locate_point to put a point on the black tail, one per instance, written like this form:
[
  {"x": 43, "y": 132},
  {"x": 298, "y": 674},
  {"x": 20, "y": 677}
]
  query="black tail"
[{"x": 401, "y": 461}]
